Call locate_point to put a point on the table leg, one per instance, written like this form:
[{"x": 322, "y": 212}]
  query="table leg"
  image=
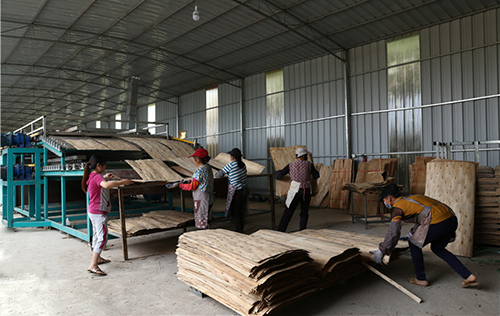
[
  {"x": 366, "y": 213},
  {"x": 183, "y": 201},
  {"x": 352, "y": 205},
  {"x": 121, "y": 208},
  {"x": 271, "y": 191}
]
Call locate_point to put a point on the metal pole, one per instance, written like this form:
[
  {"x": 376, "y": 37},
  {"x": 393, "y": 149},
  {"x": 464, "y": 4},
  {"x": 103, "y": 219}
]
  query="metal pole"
[
  {"x": 241, "y": 115},
  {"x": 346, "y": 106}
]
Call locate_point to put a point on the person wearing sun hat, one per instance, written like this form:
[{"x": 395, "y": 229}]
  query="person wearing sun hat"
[
  {"x": 202, "y": 186},
  {"x": 300, "y": 189},
  {"x": 435, "y": 224}
]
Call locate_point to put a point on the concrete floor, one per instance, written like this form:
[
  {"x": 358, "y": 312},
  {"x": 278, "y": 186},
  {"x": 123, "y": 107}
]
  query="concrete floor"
[{"x": 43, "y": 272}]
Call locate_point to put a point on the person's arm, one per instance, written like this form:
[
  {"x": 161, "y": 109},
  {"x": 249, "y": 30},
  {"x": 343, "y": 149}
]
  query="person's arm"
[
  {"x": 114, "y": 184},
  {"x": 223, "y": 171},
  {"x": 314, "y": 172},
  {"x": 281, "y": 173},
  {"x": 191, "y": 186},
  {"x": 393, "y": 233}
]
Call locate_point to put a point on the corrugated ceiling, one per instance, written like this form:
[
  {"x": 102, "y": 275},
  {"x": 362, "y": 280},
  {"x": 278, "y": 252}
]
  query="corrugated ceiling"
[{"x": 72, "y": 59}]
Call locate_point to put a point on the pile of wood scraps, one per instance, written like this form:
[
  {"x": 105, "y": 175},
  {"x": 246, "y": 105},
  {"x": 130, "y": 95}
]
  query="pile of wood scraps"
[
  {"x": 487, "y": 215},
  {"x": 152, "y": 222},
  {"x": 250, "y": 275}
]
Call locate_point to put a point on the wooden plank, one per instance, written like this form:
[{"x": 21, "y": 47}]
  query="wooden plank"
[
  {"x": 154, "y": 170},
  {"x": 117, "y": 144},
  {"x": 453, "y": 183},
  {"x": 152, "y": 222},
  {"x": 222, "y": 159},
  {"x": 393, "y": 283},
  {"x": 83, "y": 143},
  {"x": 324, "y": 184},
  {"x": 342, "y": 174},
  {"x": 180, "y": 149}
]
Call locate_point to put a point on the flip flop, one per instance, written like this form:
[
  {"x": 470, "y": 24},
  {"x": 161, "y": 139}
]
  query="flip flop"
[
  {"x": 414, "y": 281},
  {"x": 466, "y": 283},
  {"x": 103, "y": 261},
  {"x": 97, "y": 271}
]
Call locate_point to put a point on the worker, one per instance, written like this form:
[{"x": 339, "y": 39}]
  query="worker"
[
  {"x": 300, "y": 189},
  {"x": 99, "y": 206},
  {"x": 435, "y": 224},
  {"x": 202, "y": 186},
  {"x": 237, "y": 193}
]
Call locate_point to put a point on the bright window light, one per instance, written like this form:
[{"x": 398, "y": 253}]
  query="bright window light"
[{"x": 118, "y": 123}]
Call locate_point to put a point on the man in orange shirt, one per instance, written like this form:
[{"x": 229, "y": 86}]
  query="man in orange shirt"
[{"x": 435, "y": 224}]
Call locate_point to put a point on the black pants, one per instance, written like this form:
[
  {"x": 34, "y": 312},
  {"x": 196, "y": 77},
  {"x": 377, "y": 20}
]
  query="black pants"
[
  {"x": 304, "y": 200},
  {"x": 238, "y": 209},
  {"x": 439, "y": 236}
]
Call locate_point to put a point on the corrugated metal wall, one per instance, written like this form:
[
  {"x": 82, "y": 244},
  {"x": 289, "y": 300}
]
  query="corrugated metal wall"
[
  {"x": 229, "y": 116},
  {"x": 192, "y": 115},
  {"x": 166, "y": 112},
  {"x": 461, "y": 60}
]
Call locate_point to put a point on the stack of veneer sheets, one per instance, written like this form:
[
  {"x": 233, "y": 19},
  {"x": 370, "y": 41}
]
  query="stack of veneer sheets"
[
  {"x": 487, "y": 215},
  {"x": 258, "y": 274}
]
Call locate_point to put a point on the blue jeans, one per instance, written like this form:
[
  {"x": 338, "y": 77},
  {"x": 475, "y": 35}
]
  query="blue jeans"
[{"x": 439, "y": 236}]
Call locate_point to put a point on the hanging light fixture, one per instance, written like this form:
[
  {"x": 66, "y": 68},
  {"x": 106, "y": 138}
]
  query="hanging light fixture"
[{"x": 196, "y": 14}]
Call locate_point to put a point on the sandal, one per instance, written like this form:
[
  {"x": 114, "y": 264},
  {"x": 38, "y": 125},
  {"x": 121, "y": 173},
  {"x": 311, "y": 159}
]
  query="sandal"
[
  {"x": 103, "y": 261},
  {"x": 422, "y": 283},
  {"x": 97, "y": 271},
  {"x": 466, "y": 283}
]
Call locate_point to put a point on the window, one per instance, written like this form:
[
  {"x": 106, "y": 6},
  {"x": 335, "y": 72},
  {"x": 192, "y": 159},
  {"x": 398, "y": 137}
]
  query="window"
[
  {"x": 275, "y": 108},
  {"x": 152, "y": 118},
  {"x": 212, "y": 103},
  {"x": 118, "y": 123},
  {"x": 97, "y": 124}
]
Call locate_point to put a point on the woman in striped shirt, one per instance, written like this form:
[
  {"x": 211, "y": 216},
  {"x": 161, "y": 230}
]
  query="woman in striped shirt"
[{"x": 237, "y": 195}]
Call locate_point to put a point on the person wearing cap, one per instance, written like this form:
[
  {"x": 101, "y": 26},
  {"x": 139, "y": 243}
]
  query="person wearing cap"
[
  {"x": 300, "y": 189},
  {"x": 202, "y": 186},
  {"x": 237, "y": 193},
  {"x": 435, "y": 224}
]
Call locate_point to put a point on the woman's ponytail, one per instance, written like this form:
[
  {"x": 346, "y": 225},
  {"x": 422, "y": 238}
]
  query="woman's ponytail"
[{"x": 92, "y": 164}]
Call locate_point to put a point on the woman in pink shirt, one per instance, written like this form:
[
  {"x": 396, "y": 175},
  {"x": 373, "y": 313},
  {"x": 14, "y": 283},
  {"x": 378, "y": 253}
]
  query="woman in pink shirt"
[{"x": 99, "y": 206}]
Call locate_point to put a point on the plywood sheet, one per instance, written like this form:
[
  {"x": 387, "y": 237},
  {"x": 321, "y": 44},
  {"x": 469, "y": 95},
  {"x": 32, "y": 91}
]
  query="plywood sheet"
[
  {"x": 116, "y": 144},
  {"x": 152, "y": 222},
  {"x": 341, "y": 174},
  {"x": 153, "y": 147},
  {"x": 154, "y": 170},
  {"x": 418, "y": 172},
  {"x": 453, "y": 183},
  {"x": 180, "y": 149},
  {"x": 83, "y": 143},
  {"x": 324, "y": 184},
  {"x": 223, "y": 159}
]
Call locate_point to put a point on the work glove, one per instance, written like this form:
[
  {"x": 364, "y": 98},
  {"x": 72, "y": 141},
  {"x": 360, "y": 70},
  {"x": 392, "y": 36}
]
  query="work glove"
[
  {"x": 407, "y": 237},
  {"x": 172, "y": 185},
  {"x": 377, "y": 256}
]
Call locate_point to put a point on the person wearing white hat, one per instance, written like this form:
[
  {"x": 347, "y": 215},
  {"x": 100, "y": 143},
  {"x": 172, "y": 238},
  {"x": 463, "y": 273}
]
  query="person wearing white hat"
[{"x": 300, "y": 189}]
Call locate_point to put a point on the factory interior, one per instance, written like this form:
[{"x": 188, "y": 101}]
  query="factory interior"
[{"x": 250, "y": 157}]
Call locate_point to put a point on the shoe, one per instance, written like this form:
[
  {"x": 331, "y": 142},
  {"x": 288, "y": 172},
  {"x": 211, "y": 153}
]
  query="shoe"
[
  {"x": 466, "y": 283},
  {"x": 103, "y": 261},
  {"x": 97, "y": 271},
  {"x": 418, "y": 282}
]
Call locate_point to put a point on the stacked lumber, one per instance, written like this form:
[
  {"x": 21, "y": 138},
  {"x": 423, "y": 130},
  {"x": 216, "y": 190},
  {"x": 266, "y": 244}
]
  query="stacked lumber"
[
  {"x": 418, "y": 172},
  {"x": 324, "y": 181},
  {"x": 248, "y": 274},
  {"x": 282, "y": 156},
  {"x": 487, "y": 213},
  {"x": 334, "y": 261},
  {"x": 453, "y": 183},
  {"x": 374, "y": 171},
  {"x": 152, "y": 222},
  {"x": 365, "y": 243},
  {"x": 342, "y": 174}
]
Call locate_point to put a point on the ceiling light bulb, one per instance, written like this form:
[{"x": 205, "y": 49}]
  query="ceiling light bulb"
[{"x": 196, "y": 14}]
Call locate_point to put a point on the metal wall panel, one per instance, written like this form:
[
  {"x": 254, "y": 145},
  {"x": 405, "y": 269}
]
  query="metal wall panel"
[
  {"x": 314, "y": 90},
  {"x": 461, "y": 61},
  {"x": 166, "y": 112},
  {"x": 192, "y": 115},
  {"x": 229, "y": 116}
]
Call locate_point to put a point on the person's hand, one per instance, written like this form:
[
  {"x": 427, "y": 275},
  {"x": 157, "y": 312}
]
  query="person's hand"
[
  {"x": 108, "y": 175},
  {"x": 377, "y": 256},
  {"x": 127, "y": 181},
  {"x": 407, "y": 237},
  {"x": 172, "y": 185}
]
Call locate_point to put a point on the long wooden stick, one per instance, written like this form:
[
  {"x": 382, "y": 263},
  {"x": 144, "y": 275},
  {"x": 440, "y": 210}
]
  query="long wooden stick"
[{"x": 393, "y": 283}]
